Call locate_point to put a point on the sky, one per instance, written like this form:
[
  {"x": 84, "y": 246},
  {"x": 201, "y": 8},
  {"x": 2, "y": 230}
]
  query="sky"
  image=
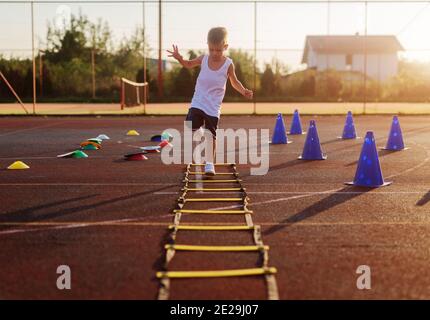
[{"x": 281, "y": 27}]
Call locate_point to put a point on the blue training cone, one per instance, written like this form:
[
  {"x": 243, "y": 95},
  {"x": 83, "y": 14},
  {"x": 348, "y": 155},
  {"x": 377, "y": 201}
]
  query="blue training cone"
[
  {"x": 279, "y": 133},
  {"x": 395, "y": 139},
  {"x": 312, "y": 149},
  {"x": 296, "y": 124},
  {"x": 349, "y": 128},
  {"x": 369, "y": 172}
]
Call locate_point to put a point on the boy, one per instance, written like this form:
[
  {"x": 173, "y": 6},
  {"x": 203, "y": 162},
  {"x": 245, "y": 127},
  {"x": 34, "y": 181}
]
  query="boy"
[{"x": 210, "y": 87}]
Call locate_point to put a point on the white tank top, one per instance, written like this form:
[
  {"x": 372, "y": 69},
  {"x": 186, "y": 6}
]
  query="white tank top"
[{"x": 210, "y": 88}]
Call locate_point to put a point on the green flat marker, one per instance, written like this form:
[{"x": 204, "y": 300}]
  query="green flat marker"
[
  {"x": 78, "y": 154},
  {"x": 89, "y": 147}
]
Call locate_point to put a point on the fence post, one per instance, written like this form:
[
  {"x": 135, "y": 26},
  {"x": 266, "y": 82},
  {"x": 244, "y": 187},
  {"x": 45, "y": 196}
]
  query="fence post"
[
  {"x": 93, "y": 73},
  {"x": 160, "y": 61},
  {"x": 122, "y": 94},
  {"x": 144, "y": 57},
  {"x": 365, "y": 58},
  {"x": 32, "y": 57},
  {"x": 255, "y": 58}
]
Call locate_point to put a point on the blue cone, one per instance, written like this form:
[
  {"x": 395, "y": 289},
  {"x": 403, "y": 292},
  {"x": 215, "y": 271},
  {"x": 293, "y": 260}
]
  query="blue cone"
[
  {"x": 279, "y": 133},
  {"x": 395, "y": 139},
  {"x": 369, "y": 172},
  {"x": 296, "y": 125},
  {"x": 349, "y": 128},
  {"x": 312, "y": 149}
]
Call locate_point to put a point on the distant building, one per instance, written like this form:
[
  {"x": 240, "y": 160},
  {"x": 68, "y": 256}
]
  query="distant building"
[{"x": 346, "y": 53}]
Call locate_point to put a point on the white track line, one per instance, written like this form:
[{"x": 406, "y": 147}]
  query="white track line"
[
  {"x": 112, "y": 184},
  {"x": 336, "y": 190},
  {"x": 253, "y": 204},
  {"x": 415, "y": 167},
  {"x": 118, "y": 222},
  {"x": 133, "y": 222},
  {"x": 28, "y": 158},
  {"x": 175, "y": 184},
  {"x": 131, "y": 184},
  {"x": 333, "y": 191},
  {"x": 115, "y": 156},
  {"x": 73, "y": 225},
  {"x": 29, "y": 129},
  {"x": 70, "y": 225},
  {"x": 306, "y": 192}
]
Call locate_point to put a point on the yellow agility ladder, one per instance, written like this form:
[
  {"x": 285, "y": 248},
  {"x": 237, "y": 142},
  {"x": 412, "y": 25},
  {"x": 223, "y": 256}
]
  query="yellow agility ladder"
[{"x": 172, "y": 247}]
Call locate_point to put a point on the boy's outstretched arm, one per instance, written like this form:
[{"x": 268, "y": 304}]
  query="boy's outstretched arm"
[
  {"x": 236, "y": 84},
  {"x": 185, "y": 63}
]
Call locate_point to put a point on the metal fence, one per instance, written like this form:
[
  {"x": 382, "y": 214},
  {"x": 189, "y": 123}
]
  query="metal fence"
[{"x": 77, "y": 51}]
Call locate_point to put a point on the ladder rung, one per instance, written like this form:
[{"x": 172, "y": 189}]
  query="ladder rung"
[
  {"x": 213, "y": 199},
  {"x": 216, "y": 273},
  {"x": 217, "y": 174},
  {"x": 213, "y": 211},
  {"x": 211, "y": 228},
  {"x": 185, "y": 247},
  {"x": 216, "y": 164},
  {"x": 214, "y": 189},
  {"x": 213, "y": 181}
]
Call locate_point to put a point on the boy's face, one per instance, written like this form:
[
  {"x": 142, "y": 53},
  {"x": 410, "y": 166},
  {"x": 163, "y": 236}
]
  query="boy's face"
[{"x": 216, "y": 50}]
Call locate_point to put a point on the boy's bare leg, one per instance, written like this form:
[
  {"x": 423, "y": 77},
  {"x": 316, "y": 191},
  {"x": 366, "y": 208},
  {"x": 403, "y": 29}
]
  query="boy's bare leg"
[
  {"x": 210, "y": 157},
  {"x": 210, "y": 154},
  {"x": 213, "y": 149}
]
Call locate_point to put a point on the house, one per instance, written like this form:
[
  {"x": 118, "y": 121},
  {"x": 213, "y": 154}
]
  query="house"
[{"x": 346, "y": 53}]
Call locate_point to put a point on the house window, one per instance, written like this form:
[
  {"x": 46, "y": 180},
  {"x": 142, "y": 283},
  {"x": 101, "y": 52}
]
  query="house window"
[{"x": 348, "y": 60}]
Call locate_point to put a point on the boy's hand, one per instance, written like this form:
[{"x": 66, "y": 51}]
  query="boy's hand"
[
  {"x": 248, "y": 93},
  {"x": 175, "y": 53}
]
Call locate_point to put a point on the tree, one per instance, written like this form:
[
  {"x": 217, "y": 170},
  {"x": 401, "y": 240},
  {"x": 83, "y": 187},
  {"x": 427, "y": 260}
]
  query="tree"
[
  {"x": 307, "y": 87},
  {"x": 195, "y": 71},
  {"x": 268, "y": 84},
  {"x": 230, "y": 91},
  {"x": 184, "y": 85},
  {"x": 130, "y": 55},
  {"x": 185, "y": 80},
  {"x": 244, "y": 66},
  {"x": 152, "y": 83},
  {"x": 329, "y": 85}
]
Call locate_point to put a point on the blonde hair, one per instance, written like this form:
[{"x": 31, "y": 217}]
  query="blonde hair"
[{"x": 217, "y": 35}]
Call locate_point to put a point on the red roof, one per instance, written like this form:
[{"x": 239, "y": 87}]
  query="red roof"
[{"x": 351, "y": 44}]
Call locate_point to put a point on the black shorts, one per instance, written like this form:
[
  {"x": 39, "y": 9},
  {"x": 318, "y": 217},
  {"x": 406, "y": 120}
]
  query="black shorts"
[{"x": 199, "y": 118}]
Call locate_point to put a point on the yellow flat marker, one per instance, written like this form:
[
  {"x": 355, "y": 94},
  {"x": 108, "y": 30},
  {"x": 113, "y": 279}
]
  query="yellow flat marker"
[
  {"x": 213, "y": 211},
  {"x": 18, "y": 165},
  {"x": 217, "y": 273},
  {"x": 214, "y": 189},
  {"x": 211, "y": 228},
  {"x": 133, "y": 133},
  {"x": 185, "y": 247},
  {"x": 213, "y": 199}
]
